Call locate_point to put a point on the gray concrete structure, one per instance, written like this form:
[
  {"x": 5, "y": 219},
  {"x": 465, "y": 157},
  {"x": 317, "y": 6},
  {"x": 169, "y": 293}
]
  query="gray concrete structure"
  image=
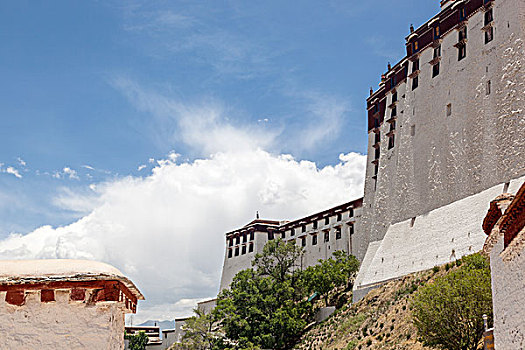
[
  {"x": 320, "y": 234},
  {"x": 451, "y": 107}
]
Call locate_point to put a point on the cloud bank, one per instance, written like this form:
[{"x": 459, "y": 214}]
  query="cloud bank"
[{"x": 166, "y": 230}]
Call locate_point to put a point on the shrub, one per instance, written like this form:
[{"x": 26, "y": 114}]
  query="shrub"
[{"x": 449, "y": 312}]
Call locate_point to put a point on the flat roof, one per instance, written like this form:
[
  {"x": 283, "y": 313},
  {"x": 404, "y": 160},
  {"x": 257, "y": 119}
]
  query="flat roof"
[{"x": 57, "y": 270}]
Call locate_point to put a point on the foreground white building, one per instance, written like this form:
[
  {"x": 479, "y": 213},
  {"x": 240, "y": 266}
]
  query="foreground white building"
[{"x": 63, "y": 304}]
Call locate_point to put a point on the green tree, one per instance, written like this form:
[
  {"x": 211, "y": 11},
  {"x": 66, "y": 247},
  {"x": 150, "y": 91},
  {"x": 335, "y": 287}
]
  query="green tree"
[
  {"x": 448, "y": 313},
  {"x": 200, "y": 333},
  {"x": 265, "y": 306},
  {"x": 338, "y": 271},
  {"x": 137, "y": 341}
]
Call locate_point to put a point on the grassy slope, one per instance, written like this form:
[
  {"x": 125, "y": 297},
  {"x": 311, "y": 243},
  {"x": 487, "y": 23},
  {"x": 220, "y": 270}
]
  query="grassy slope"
[{"x": 380, "y": 321}]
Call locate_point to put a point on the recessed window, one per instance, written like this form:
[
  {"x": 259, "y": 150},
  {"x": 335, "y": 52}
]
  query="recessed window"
[
  {"x": 413, "y": 130},
  {"x": 435, "y": 70},
  {"x": 283, "y": 235},
  {"x": 489, "y": 17},
  {"x": 292, "y": 232},
  {"x": 394, "y": 97},
  {"x": 462, "y": 14},
  {"x": 415, "y": 66},
  {"x": 270, "y": 236},
  {"x": 338, "y": 233},
  {"x": 437, "y": 51},
  {"x": 250, "y": 248},
  {"x": 230, "y": 244},
  {"x": 303, "y": 228},
  {"x": 351, "y": 228},
  {"x": 415, "y": 82},
  {"x": 449, "y": 110},
  {"x": 351, "y": 213},
  {"x": 315, "y": 224},
  {"x": 244, "y": 238},
  {"x": 339, "y": 217},
  {"x": 436, "y": 32},
  {"x": 237, "y": 239},
  {"x": 376, "y": 169},
  {"x": 462, "y": 51},
  {"x": 303, "y": 241},
  {"x": 236, "y": 251},
  {"x": 487, "y": 88},
  {"x": 394, "y": 112},
  {"x": 489, "y": 35},
  {"x": 462, "y": 34},
  {"x": 252, "y": 236},
  {"x": 314, "y": 240},
  {"x": 391, "y": 141},
  {"x": 327, "y": 236},
  {"x": 327, "y": 220},
  {"x": 377, "y": 153},
  {"x": 230, "y": 253},
  {"x": 244, "y": 249}
]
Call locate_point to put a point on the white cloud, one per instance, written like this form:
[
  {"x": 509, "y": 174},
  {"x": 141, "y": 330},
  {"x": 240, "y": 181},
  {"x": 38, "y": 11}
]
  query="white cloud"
[
  {"x": 12, "y": 171},
  {"x": 67, "y": 172},
  {"x": 21, "y": 162},
  {"x": 141, "y": 167},
  {"x": 166, "y": 230}
]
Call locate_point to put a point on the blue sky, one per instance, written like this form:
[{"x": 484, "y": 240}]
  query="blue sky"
[{"x": 95, "y": 93}]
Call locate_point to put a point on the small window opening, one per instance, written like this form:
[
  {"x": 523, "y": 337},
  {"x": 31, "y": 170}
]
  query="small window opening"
[
  {"x": 237, "y": 239},
  {"x": 303, "y": 228},
  {"x": 236, "y": 251},
  {"x": 415, "y": 66},
  {"x": 462, "y": 52},
  {"x": 489, "y": 35},
  {"x": 292, "y": 232},
  {"x": 391, "y": 141},
  {"x": 314, "y": 240},
  {"x": 462, "y": 34},
  {"x": 437, "y": 51},
  {"x": 230, "y": 253},
  {"x": 338, "y": 233},
  {"x": 250, "y": 248},
  {"x": 303, "y": 241},
  {"x": 244, "y": 249},
  {"x": 415, "y": 82},
  {"x": 252, "y": 236},
  {"x": 351, "y": 228},
  {"x": 413, "y": 130},
  {"x": 488, "y": 17},
  {"x": 339, "y": 217},
  {"x": 412, "y": 222},
  {"x": 327, "y": 221},
  {"x": 315, "y": 225},
  {"x": 394, "y": 97},
  {"x": 394, "y": 112},
  {"x": 244, "y": 238},
  {"x": 327, "y": 236},
  {"x": 449, "y": 110},
  {"x": 351, "y": 213},
  {"x": 435, "y": 70},
  {"x": 270, "y": 236},
  {"x": 230, "y": 244},
  {"x": 488, "y": 88}
]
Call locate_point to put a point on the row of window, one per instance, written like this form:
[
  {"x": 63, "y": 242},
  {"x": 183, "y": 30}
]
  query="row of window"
[
  {"x": 240, "y": 250},
  {"x": 326, "y": 236},
  {"x": 244, "y": 238},
  {"x": 315, "y": 225}
]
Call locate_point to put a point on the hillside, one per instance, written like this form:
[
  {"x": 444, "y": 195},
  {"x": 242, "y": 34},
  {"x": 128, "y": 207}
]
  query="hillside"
[{"x": 380, "y": 321}]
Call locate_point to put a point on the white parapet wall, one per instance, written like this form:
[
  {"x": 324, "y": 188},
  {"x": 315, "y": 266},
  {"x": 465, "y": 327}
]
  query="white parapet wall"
[
  {"x": 63, "y": 304},
  {"x": 435, "y": 238}
]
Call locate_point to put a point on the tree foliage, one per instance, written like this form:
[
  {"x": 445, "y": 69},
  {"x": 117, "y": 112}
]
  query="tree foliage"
[
  {"x": 338, "y": 271},
  {"x": 200, "y": 333},
  {"x": 449, "y": 312},
  {"x": 137, "y": 341},
  {"x": 267, "y": 306}
]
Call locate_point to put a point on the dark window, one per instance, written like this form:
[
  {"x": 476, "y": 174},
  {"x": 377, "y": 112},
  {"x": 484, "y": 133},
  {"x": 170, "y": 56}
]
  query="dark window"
[
  {"x": 244, "y": 238},
  {"x": 231, "y": 242},
  {"x": 462, "y": 52},
  {"x": 339, "y": 217},
  {"x": 449, "y": 110},
  {"x": 376, "y": 108},
  {"x": 236, "y": 251},
  {"x": 489, "y": 35},
  {"x": 327, "y": 236},
  {"x": 437, "y": 51},
  {"x": 436, "y": 33},
  {"x": 488, "y": 87},
  {"x": 351, "y": 229},
  {"x": 351, "y": 213},
  {"x": 327, "y": 221},
  {"x": 488, "y": 17},
  {"x": 250, "y": 248},
  {"x": 393, "y": 126},
  {"x": 244, "y": 249},
  {"x": 230, "y": 253},
  {"x": 435, "y": 70},
  {"x": 394, "y": 112},
  {"x": 415, "y": 66},
  {"x": 303, "y": 228},
  {"x": 292, "y": 232},
  {"x": 415, "y": 82},
  {"x": 462, "y": 35},
  {"x": 462, "y": 15},
  {"x": 338, "y": 233},
  {"x": 303, "y": 241},
  {"x": 377, "y": 139},
  {"x": 393, "y": 81},
  {"x": 377, "y": 153},
  {"x": 394, "y": 97},
  {"x": 237, "y": 239},
  {"x": 315, "y": 224},
  {"x": 283, "y": 235},
  {"x": 376, "y": 122},
  {"x": 270, "y": 236},
  {"x": 391, "y": 141},
  {"x": 376, "y": 169},
  {"x": 314, "y": 240},
  {"x": 252, "y": 236}
]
